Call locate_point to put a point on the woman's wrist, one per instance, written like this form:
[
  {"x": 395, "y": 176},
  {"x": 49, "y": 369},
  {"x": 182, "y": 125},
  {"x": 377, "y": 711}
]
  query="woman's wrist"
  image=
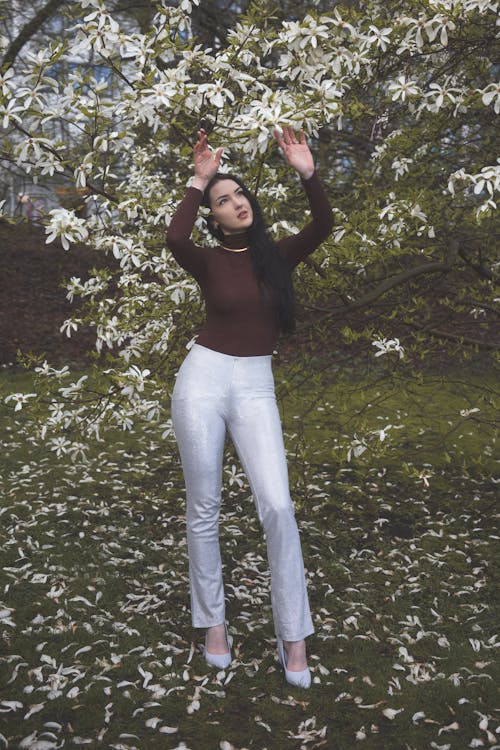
[
  {"x": 200, "y": 183},
  {"x": 307, "y": 174}
]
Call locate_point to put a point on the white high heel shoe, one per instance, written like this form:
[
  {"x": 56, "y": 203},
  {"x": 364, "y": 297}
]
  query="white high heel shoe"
[
  {"x": 220, "y": 661},
  {"x": 297, "y": 679}
]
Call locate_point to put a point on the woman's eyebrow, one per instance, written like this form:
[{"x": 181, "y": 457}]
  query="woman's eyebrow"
[{"x": 226, "y": 195}]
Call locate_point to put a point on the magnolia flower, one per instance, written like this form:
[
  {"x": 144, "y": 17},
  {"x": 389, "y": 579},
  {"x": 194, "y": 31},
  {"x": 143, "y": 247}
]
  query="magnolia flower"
[
  {"x": 65, "y": 225},
  {"x": 381, "y": 36},
  {"x": 338, "y": 21},
  {"x": 8, "y": 113},
  {"x": 382, "y": 434},
  {"x": 59, "y": 445},
  {"x": 440, "y": 24},
  {"x": 68, "y": 326},
  {"x": 491, "y": 95},
  {"x": 136, "y": 378},
  {"x": 20, "y": 399},
  {"x": 356, "y": 448},
  {"x": 385, "y": 346},
  {"x": 32, "y": 148},
  {"x": 402, "y": 88},
  {"x": 187, "y": 5},
  {"x": 438, "y": 93},
  {"x": 300, "y": 34},
  {"x": 83, "y": 170},
  {"x": 400, "y": 166},
  {"x": 47, "y": 370},
  {"x": 48, "y": 164},
  {"x": 107, "y": 333},
  {"x": 425, "y": 476},
  {"x": 6, "y": 84},
  {"x": 74, "y": 286},
  {"x": 216, "y": 93},
  {"x": 417, "y": 28},
  {"x": 235, "y": 476},
  {"x": 467, "y": 412},
  {"x": 488, "y": 179},
  {"x": 477, "y": 312}
]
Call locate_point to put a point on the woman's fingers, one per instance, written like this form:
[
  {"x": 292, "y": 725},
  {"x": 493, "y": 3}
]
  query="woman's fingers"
[
  {"x": 278, "y": 137},
  {"x": 287, "y": 137},
  {"x": 201, "y": 146},
  {"x": 202, "y": 140},
  {"x": 217, "y": 155}
]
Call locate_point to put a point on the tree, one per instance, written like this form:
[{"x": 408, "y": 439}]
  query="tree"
[{"x": 400, "y": 108}]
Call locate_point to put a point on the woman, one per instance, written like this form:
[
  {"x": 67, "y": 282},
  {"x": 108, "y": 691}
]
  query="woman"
[{"x": 226, "y": 382}]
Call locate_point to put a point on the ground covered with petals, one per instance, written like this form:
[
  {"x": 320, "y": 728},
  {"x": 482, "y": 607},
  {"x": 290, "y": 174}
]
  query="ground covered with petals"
[{"x": 96, "y": 645}]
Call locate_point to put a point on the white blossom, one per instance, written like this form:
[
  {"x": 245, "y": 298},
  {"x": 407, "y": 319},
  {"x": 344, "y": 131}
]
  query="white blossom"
[
  {"x": 9, "y": 113},
  {"x": 401, "y": 166},
  {"x": 438, "y": 93},
  {"x": 491, "y": 95},
  {"x": 216, "y": 93},
  {"x": 337, "y": 20},
  {"x": 136, "y": 380},
  {"x": 440, "y": 24},
  {"x": 20, "y": 399},
  {"x": 356, "y": 448},
  {"x": 67, "y": 226},
  {"x": 69, "y": 326},
  {"x": 403, "y": 88},
  {"x": 381, "y": 36},
  {"x": 386, "y": 346},
  {"x": 417, "y": 28},
  {"x": 6, "y": 81}
]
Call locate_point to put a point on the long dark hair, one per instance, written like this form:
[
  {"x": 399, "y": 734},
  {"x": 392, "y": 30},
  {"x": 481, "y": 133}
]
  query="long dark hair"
[{"x": 271, "y": 268}]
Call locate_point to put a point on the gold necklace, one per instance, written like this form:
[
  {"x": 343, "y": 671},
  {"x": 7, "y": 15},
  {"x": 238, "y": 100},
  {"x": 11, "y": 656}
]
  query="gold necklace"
[{"x": 235, "y": 249}]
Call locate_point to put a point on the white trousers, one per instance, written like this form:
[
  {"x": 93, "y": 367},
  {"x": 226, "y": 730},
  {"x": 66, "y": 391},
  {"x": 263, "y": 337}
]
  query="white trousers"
[{"x": 215, "y": 392}]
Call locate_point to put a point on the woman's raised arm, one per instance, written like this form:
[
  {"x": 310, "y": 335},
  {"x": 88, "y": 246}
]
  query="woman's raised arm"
[
  {"x": 297, "y": 153},
  {"x": 190, "y": 256},
  {"x": 206, "y": 162},
  {"x": 298, "y": 246}
]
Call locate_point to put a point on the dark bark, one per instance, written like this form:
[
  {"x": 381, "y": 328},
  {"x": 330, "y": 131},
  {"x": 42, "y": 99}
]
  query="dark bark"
[
  {"x": 396, "y": 280},
  {"x": 29, "y": 30}
]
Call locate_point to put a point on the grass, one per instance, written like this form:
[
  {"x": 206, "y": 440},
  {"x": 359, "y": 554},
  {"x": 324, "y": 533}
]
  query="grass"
[{"x": 401, "y": 552}]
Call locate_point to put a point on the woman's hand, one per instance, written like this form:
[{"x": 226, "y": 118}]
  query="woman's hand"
[
  {"x": 297, "y": 154},
  {"x": 206, "y": 162}
]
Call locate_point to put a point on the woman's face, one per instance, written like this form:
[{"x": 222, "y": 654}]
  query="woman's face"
[{"x": 231, "y": 209}]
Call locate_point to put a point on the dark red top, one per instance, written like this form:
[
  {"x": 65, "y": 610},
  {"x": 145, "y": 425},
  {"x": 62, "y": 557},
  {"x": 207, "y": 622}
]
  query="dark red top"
[{"x": 240, "y": 319}]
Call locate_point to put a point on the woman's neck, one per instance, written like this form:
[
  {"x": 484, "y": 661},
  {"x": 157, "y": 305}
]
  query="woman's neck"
[{"x": 235, "y": 241}]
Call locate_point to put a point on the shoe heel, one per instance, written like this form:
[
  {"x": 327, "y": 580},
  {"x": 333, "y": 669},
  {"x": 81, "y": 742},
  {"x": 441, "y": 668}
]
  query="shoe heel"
[
  {"x": 220, "y": 661},
  {"x": 297, "y": 679}
]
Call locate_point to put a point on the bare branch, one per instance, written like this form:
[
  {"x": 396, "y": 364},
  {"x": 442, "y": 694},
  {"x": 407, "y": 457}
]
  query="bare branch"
[
  {"x": 29, "y": 31},
  {"x": 392, "y": 281},
  {"x": 494, "y": 345}
]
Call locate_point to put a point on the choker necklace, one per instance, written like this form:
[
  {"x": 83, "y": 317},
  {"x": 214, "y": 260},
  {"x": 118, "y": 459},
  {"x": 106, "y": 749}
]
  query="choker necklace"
[{"x": 235, "y": 249}]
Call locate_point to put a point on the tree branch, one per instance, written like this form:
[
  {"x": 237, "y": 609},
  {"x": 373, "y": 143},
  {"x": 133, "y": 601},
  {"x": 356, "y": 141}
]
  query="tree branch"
[
  {"x": 494, "y": 345},
  {"x": 392, "y": 281},
  {"x": 477, "y": 267},
  {"x": 28, "y": 31}
]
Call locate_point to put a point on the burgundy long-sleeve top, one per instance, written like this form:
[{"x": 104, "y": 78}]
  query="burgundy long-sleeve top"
[{"x": 241, "y": 320}]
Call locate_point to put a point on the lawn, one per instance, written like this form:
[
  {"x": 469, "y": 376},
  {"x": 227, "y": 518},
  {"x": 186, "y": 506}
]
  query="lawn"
[{"x": 401, "y": 549}]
